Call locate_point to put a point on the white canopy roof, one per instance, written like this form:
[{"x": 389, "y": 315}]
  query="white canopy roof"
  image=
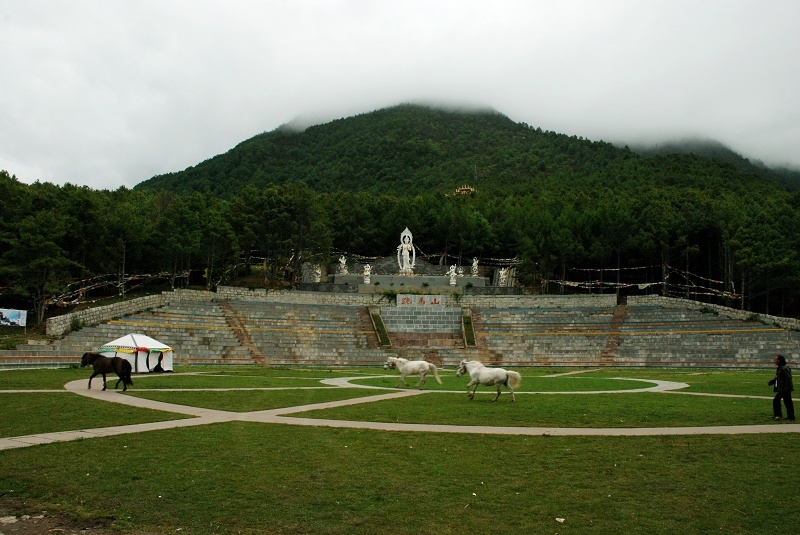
[
  {"x": 138, "y": 341},
  {"x": 144, "y": 353}
]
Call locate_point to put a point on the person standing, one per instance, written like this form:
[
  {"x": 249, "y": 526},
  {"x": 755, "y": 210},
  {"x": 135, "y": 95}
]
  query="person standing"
[{"x": 782, "y": 386}]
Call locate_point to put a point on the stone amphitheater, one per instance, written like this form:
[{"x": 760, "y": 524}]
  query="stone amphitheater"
[{"x": 241, "y": 326}]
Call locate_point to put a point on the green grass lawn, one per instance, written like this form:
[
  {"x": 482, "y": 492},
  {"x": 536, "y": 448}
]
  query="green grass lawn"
[
  {"x": 249, "y": 400},
  {"x": 530, "y": 383},
  {"x": 35, "y": 413},
  {"x": 559, "y": 410},
  {"x": 250, "y": 478},
  {"x": 53, "y": 379}
]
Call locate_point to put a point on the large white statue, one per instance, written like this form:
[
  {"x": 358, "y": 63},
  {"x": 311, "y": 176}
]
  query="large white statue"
[
  {"x": 406, "y": 255},
  {"x": 343, "y": 265},
  {"x": 474, "y": 267},
  {"x": 367, "y": 273},
  {"x": 316, "y": 273}
]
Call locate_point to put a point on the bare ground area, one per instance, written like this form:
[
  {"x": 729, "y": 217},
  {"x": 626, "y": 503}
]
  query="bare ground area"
[{"x": 19, "y": 519}]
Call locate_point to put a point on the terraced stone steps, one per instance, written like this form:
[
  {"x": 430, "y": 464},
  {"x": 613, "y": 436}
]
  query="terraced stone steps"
[
  {"x": 248, "y": 332},
  {"x": 544, "y": 336}
]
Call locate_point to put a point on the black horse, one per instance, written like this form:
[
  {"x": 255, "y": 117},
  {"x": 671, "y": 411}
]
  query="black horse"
[{"x": 103, "y": 365}]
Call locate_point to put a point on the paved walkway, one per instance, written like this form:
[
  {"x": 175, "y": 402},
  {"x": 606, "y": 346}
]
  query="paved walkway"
[{"x": 202, "y": 416}]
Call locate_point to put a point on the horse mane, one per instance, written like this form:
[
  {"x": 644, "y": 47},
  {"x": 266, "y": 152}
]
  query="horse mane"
[{"x": 91, "y": 356}]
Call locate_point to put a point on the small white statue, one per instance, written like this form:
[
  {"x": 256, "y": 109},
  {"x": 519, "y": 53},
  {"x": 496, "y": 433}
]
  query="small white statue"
[
  {"x": 406, "y": 255},
  {"x": 452, "y": 273},
  {"x": 460, "y": 271},
  {"x": 474, "y": 267},
  {"x": 503, "y": 276},
  {"x": 343, "y": 265},
  {"x": 316, "y": 273},
  {"x": 367, "y": 273}
]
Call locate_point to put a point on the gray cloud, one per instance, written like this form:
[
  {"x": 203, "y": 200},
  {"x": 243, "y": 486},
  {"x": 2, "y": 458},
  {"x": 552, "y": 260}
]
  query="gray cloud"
[{"x": 107, "y": 93}]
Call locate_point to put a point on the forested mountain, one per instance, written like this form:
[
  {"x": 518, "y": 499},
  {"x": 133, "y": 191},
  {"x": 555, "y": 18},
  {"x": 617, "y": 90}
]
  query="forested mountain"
[
  {"x": 411, "y": 149},
  {"x": 404, "y": 150},
  {"x": 569, "y": 214},
  {"x": 713, "y": 149}
]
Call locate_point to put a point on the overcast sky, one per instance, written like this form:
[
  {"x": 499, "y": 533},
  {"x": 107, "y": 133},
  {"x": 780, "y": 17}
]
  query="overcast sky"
[{"x": 108, "y": 93}]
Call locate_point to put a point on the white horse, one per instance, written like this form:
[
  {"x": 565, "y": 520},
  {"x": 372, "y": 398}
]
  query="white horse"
[
  {"x": 481, "y": 375},
  {"x": 412, "y": 367}
]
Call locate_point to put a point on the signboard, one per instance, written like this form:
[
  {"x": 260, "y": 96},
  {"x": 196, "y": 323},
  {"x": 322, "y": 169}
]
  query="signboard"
[
  {"x": 413, "y": 300},
  {"x": 13, "y": 317}
]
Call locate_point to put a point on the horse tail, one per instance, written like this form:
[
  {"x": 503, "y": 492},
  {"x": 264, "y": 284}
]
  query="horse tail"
[
  {"x": 514, "y": 379},
  {"x": 435, "y": 373},
  {"x": 126, "y": 373}
]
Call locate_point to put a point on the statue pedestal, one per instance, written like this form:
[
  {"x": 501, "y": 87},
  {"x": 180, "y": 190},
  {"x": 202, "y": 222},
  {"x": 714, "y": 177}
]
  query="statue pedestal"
[{"x": 401, "y": 283}]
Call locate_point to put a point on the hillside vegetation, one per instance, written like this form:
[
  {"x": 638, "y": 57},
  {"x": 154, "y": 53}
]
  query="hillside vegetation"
[
  {"x": 570, "y": 214},
  {"x": 405, "y": 150},
  {"x": 409, "y": 150}
]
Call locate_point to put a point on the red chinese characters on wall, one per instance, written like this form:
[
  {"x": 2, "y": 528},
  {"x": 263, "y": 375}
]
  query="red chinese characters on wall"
[{"x": 420, "y": 300}]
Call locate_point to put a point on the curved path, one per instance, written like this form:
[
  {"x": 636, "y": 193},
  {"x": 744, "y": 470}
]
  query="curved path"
[{"x": 202, "y": 416}]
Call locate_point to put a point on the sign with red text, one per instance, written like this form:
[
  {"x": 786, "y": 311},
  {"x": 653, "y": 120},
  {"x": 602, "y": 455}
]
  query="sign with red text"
[{"x": 412, "y": 300}]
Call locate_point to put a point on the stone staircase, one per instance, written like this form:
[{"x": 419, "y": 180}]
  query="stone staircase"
[
  {"x": 614, "y": 336},
  {"x": 543, "y": 336},
  {"x": 311, "y": 334},
  {"x": 259, "y": 332},
  {"x": 667, "y": 336}
]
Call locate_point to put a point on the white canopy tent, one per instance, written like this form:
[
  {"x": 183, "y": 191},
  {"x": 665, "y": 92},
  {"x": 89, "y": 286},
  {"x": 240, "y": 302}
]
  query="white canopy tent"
[{"x": 144, "y": 353}]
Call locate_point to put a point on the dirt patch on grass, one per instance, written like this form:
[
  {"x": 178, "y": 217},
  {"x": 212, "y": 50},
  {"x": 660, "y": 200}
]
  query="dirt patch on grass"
[{"x": 19, "y": 519}]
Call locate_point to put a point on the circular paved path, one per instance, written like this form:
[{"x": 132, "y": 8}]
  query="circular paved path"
[{"x": 202, "y": 416}]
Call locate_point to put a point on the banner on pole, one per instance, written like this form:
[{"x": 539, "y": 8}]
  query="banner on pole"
[{"x": 13, "y": 317}]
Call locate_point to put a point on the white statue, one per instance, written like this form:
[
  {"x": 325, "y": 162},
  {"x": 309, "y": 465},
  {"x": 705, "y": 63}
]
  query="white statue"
[
  {"x": 367, "y": 273},
  {"x": 406, "y": 255},
  {"x": 503, "y": 276},
  {"x": 460, "y": 271},
  {"x": 452, "y": 273},
  {"x": 474, "y": 267},
  {"x": 343, "y": 265},
  {"x": 316, "y": 273}
]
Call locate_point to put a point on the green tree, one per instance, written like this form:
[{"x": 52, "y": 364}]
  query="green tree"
[{"x": 36, "y": 266}]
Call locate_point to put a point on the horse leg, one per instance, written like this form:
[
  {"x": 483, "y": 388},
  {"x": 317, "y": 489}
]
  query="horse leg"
[
  {"x": 124, "y": 386},
  {"x": 422, "y": 380},
  {"x": 510, "y": 390},
  {"x": 472, "y": 383},
  {"x": 402, "y": 380},
  {"x": 498, "y": 393},
  {"x": 104, "y": 381},
  {"x": 90, "y": 379}
]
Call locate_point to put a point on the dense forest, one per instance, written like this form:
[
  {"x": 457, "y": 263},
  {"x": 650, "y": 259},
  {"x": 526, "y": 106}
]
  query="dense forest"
[{"x": 570, "y": 214}]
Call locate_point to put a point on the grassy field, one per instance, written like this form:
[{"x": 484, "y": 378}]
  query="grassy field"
[{"x": 252, "y": 478}]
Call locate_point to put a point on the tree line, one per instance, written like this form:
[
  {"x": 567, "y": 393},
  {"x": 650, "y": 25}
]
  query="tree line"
[{"x": 694, "y": 215}]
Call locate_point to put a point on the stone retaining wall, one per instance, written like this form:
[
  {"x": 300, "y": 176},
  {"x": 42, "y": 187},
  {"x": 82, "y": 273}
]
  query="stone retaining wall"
[
  {"x": 742, "y": 315},
  {"x": 61, "y": 325},
  {"x": 420, "y": 319}
]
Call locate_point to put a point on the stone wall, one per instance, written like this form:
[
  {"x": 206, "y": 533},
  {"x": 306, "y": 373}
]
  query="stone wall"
[
  {"x": 742, "y": 315},
  {"x": 420, "y": 319},
  {"x": 451, "y": 299},
  {"x": 61, "y": 325},
  {"x": 537, "y": 301},
  {"x": 380, "y": 283}
]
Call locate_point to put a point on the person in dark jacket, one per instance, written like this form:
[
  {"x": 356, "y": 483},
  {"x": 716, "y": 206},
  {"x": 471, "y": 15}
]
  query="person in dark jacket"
[{"x": 782, "y": 386}]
